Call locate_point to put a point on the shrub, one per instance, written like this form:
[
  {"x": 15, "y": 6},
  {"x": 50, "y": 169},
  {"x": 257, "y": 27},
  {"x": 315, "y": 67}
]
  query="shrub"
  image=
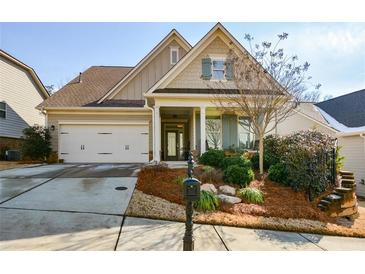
[
  {"x": 3, "y": 149},
  {"x": 278, "y": 173},
  {"x": 339, "y": 159},
  {"x": 251, "y": 195},
  {"x": 238, "y": 175},
  {"x": 208, "y": 169},
  {"x": 37, "y": 143},
  {"x": 208, "y": 201},
  {"x": 213, "y": 157},
  {"x": 237, "y": 160},
  {"x": 179, "y": 180},
  {"x": 255, "y": 161}
]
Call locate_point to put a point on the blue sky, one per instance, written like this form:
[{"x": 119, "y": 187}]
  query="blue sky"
[{"x": 59, "y": 51}]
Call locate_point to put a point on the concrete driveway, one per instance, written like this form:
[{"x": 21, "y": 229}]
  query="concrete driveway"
[{"x": 64, "y": 207}]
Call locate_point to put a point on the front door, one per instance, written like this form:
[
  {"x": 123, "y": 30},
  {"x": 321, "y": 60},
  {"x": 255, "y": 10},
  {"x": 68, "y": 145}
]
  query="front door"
[{"x": 172, "y": 145}]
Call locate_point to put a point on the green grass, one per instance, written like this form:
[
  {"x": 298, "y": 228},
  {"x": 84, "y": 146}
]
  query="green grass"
[
  {"x": 251, "y": 195},
  {"x": 208, "y": 201}
]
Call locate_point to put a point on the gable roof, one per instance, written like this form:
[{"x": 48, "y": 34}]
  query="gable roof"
[
  {"x": 194, "y": 52},
  {"x": 41, "y": 88},
  {"x": 146, "y": 60},
  {"x": 95, "y": 82},
  {"x": 348, "y": 109}
]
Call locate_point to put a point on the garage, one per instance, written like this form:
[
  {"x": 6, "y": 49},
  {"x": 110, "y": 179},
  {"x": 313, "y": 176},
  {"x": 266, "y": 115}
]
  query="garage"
[{"x": 103, "y": 143}]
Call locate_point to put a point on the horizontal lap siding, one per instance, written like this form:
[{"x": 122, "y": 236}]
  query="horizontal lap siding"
[
  {"x": 353, "y": 149},
  {"x": 21, "y": 95},
  {"x": 53, "y": 119}
]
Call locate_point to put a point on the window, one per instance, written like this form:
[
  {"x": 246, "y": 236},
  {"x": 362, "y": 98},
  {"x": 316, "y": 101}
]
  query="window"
[
  {"x": 2, "y": 110},
  {"x": 246, "y": 137},
  {"x": 213, "y": 128},
  {"x": 174, "y": 55},
  {"x": 218, "y": 66}
]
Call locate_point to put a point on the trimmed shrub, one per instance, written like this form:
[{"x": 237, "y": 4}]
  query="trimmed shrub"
[
  {"x": 213, "y": 157},
  {"x": 208, "y": 201},
  {"x": 251, "y": 195},
  {"x": 208, "y": 169},
  {"x": 238, "y": 175},
  {"x": 37, "y": 143},
  {"x": 237, "y": 160},
  {"x": 278, "y": 173},
  {"x": 209, "y": 175},
  {"x": 256, "y": 164}
]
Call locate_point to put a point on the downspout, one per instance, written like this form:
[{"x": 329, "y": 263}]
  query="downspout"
[
  {"x": 153, "y": 129},
  {"x": 362, "y": 135}
]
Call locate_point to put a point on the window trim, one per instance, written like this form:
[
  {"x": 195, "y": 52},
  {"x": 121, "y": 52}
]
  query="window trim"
[
  {"x": 4, "y": 110},
  {"x": 172, "y": 49},
  {"x": 218, "y": 58},
  {"x": 215, "y": 117}
]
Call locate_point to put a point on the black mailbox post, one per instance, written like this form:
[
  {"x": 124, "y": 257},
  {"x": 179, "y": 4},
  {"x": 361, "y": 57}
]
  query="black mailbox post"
[{"x": 191, "y": 194}]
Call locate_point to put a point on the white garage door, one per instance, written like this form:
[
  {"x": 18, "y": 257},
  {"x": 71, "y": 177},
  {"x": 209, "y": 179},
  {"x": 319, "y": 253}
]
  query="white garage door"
[{"x": 103, "y": 143}]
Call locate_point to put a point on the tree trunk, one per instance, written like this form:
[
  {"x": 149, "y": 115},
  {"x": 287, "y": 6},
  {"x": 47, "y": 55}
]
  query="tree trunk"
[{"x": 261, "y": 154}]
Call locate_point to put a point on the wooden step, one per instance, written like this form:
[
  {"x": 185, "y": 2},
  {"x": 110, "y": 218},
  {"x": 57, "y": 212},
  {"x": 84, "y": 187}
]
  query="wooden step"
[
  {"x": 346, "y": 172},
  {"x": 348, "y": 181},
  {"x": 343, "y": 189},
  {"x": 322, "y": 207},
  {"x": 347, "y": 177},
  {"x": 333, "y": 197}
]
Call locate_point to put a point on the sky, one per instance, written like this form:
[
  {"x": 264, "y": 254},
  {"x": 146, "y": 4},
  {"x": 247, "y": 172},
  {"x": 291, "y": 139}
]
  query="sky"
[{"x": 59, "y": 51}]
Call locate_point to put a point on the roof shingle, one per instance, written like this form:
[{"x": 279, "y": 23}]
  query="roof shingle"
[{"x": 96, "y": 81}]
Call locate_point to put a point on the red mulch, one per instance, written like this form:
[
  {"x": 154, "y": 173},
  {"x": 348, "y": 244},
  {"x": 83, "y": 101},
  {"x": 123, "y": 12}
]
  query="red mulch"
[{"x": 280, "y": 201}]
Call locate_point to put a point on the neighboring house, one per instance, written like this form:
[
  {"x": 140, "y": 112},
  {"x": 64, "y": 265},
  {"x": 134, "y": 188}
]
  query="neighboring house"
[
  {"x": 347, "y": 115},
  {"x": 21, "y": 91},
  {"x": 159, "y": 109}
]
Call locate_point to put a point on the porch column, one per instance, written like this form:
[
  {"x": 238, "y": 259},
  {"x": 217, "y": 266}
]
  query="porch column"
[
  {"x": 202, "y": 130},
  {"x": 157, "y": 137},
  {"x": 193, "y": 141}
]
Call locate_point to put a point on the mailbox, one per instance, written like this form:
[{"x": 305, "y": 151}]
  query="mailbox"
[{"x": 191, "y": 189}]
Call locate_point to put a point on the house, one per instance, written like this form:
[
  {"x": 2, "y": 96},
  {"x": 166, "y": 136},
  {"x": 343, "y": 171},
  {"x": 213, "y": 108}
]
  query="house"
[
  {"x": 21, "y": 91},
  {"x": 157, "y": 110},
  {"x": 346, "y": 114}
]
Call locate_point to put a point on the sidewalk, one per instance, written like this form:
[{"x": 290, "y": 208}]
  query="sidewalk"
[{"x": 147, "y": 234}]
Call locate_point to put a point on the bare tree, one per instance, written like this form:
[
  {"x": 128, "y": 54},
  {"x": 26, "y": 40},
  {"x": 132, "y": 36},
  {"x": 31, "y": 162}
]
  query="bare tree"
[
  {"x": 214, "y": 129},
  {"x": 267, "y": 86}
]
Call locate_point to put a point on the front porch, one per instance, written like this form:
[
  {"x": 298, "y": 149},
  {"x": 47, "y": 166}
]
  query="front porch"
[{"x": 178, "y": 130}]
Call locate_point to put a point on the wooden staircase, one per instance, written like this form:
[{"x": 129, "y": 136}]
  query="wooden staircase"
[{"x": 342, "y": 201}]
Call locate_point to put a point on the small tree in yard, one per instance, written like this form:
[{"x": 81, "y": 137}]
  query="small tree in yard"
[
  {"x": 267, "y": 88},
  {"x": 37, "y": 143}
]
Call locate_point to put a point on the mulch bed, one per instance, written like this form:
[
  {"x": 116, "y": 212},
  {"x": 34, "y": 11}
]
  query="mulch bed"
[{"x": 280, "y": 201}]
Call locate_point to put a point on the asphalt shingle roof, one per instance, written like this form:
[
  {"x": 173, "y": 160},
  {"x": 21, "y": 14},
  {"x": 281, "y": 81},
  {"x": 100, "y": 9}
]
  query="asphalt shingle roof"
[
  {"x": 96, "y": 81},
  {"x": 347, "y": 109}
]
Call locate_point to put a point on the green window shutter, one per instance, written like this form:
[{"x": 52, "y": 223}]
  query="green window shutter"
[
  {"x": 206, "y": 68},
  {"x": 229, "y": 70}
]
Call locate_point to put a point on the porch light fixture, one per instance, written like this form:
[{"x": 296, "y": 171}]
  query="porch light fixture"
[
  {"x": 52, "y": 128},
  {"x": 180, "y": 126}
]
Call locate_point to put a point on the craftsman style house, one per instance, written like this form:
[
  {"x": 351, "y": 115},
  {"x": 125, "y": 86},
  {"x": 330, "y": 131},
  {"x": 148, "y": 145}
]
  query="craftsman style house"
[{"x": 157, "y": 110}]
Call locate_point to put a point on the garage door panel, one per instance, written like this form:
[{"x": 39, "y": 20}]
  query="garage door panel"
[{"x": 104, "y": 143}]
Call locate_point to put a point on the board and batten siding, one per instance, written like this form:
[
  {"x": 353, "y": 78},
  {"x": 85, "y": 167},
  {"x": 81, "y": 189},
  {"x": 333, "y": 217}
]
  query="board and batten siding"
[
  {"x": 150, "y": 74},
  {"x": 353, "y": 149},
  {"x": 53, "y": 119},
  {"x": 21, "y": 95}
]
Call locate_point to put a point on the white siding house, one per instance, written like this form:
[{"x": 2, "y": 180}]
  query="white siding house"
[{"x": 20, "y": 92}]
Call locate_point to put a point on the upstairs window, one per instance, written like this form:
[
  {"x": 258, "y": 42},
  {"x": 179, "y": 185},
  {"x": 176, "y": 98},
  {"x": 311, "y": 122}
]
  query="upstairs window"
[
  {"x": 174, "y": 55},
  {"x": 2, "y": 110},
  {"x": 218, "y": 67}
]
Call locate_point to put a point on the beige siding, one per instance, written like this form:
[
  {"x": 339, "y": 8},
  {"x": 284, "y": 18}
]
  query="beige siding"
[
  {"x": 190, "y": 77},
  {"x": 150, "y": 74},
  {"x": 353, "y": 149},
  {"x": 297, "y": 122},
  {"x": 53, "y": 119},
  {"x": 21, "y": 95}
]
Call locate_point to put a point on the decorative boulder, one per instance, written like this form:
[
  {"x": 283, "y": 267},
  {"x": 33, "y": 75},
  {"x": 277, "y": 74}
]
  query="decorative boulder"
[
  {"x": 208, "y": 187},
  {"x": 228, "y": 199},
  {"x": 227, "y": 190}
]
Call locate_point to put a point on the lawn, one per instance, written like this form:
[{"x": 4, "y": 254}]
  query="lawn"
[{"x": 159, "y": 195}]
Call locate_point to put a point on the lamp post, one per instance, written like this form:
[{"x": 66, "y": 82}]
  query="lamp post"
[{"x": 191, "y": 194}]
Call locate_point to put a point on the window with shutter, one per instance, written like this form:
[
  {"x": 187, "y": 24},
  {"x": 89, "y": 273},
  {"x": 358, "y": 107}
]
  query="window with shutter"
[
  {"x": 2, "y": 110},
  {"x": 206, "y": 68},
  {"x": 229, "y": 70}
]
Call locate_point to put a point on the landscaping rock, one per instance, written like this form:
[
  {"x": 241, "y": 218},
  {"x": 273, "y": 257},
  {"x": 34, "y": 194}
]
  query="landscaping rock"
[
  {"x": 227, "y": 190},
  {"x": 209, "y": 187},
  {"x": 228, "y": 199}
]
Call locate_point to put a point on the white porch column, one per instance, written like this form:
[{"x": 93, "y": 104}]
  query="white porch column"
[
  {"x": 202, "y": 130},
  {"x": 157, "y": 137},
  {"x": 193, "y": 141}
]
